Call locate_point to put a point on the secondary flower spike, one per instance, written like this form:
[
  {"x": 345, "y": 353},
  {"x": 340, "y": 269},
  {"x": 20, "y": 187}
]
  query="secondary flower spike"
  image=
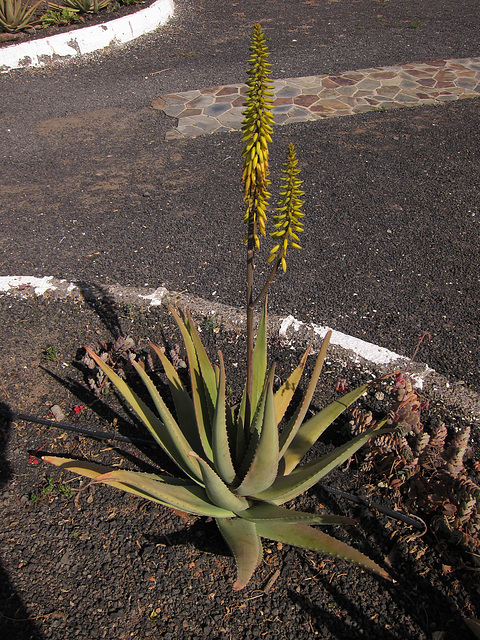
[{"x": 288, "y": 219}]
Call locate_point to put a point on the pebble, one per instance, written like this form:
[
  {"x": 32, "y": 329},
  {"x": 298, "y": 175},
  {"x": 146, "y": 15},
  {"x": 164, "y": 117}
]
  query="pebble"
[{"x": 57, "y": 413}]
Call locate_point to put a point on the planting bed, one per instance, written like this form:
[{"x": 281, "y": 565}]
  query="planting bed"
[{"x": 97, "y": 563}]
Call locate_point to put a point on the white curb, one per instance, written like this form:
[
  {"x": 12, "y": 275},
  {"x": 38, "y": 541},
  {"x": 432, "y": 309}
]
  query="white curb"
[
  {"x": 81, "y": 41},
  {"x": 366, "y": 350},
  {"x": 291, "y": 331},
  {"x": 288, "y": 326}
]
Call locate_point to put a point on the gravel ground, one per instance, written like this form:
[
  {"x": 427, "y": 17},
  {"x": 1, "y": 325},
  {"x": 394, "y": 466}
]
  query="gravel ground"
[
  {"x": 113, "y": 566},
  {"x": 391, "y": 245}
]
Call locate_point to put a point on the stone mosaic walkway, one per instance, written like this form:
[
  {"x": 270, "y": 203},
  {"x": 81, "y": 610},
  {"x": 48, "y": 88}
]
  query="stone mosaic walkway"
[{"x": 326, "y": 96}]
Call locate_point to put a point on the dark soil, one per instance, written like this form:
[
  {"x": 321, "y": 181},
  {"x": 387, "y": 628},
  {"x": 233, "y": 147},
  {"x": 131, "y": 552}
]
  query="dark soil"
[{"x": 100, "y": 564}]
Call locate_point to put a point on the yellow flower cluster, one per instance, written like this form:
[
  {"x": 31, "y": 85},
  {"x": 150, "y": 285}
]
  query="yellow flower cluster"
[
  {"x": 287, "y": 220},
  {"x": 256, "y": 130}
]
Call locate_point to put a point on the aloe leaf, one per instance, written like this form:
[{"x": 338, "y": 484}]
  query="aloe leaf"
[
  {"x": 238, "y": 438},
  {"x": 201, "y": 399},
  {"x": 474, "y": 625},
  {"x": 184, "y": 406},
  {"x": 311, "y": 430},
  {"x": 288, "y": 487},
  {"x": 217, "y": 490},
  {"x": 259, "y": 369},
  {"x": 206, "y": 368},
  {"x": 170, "y": 492},
  {"x": 15, "y": 16},
  {"x": 174, "y": 431},
  {"x": 30, "y": 12},
  {"x": 284, "y": 395},
  {"x": 259, "y": 415},
  {"x": 246, "y": 546},
  {"x": 301, "y": 535},
  {"x": 264, "y": 467},
  {"x": 294, "y": 424},
  {"x": 160, "y": 431},
  {"x": 245, "y": 462},
  {"x": 265, "y": 511},
  {"x": 87, "y": 469},
  {"x": 220, "y": 446}
]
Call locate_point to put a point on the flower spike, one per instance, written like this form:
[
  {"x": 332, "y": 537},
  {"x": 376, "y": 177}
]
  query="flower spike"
[
  {"x": 288, "y": 219},
  {"x": 256, "y": 130}
]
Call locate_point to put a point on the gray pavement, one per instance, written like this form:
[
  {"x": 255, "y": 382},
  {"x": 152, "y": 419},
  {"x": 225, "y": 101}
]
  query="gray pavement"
[{"x": 91, "y": 190}]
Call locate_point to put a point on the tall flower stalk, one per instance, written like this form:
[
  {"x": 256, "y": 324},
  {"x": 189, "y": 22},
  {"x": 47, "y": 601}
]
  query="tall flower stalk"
[{"x": 257, "y": 129}]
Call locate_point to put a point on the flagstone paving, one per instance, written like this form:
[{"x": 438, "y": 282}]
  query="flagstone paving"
[{"x": 217, "y": 109}]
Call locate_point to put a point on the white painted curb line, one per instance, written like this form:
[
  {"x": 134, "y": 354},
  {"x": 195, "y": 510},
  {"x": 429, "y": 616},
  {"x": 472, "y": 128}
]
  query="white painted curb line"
[
  {"x": 81, "y": 41},
  {"x": 291, "y": 331},
  {"x": 372, "y": 353},
  {"x": 366, "y": 350}
]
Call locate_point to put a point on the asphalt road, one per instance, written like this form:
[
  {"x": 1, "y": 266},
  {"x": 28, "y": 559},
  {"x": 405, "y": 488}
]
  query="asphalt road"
[{"x": 91, "y": 191}]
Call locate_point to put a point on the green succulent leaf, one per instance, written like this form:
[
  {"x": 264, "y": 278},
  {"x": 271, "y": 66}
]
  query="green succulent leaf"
[
  {"x": 217, "y": 490},
  {"x": 292, "y": 428},
  {"x": 263, "y": 468},
  {"x": 259, "y": 368},
  {"x": 260, "y": 358},
  {"x": 171, "y": 492},
  {"x": 290, "y": 486},
  {"x": 254, "y": 435},
  {"x": 301, "y": 535},
  {"x": 168, "y": 435},
  {"x": 311, "y": 430},
  {"x": 222, "y": 458},
  {"x": 265, "y": 511},
  {"x": 184, "y": 407},
  {"x": 203, "y": 394},
  {"x": 284, "y": 395},
  {"x": 246, "y": 546},
  {"x": 206, "y": 369},
  {"x": 180, "y": 446},
  {"x": 87, "y": 6}
]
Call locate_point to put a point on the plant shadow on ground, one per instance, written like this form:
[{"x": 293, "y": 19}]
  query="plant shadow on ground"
[
  {"x": 335, "y": 610},
  {"x": 15, "y": 622}
]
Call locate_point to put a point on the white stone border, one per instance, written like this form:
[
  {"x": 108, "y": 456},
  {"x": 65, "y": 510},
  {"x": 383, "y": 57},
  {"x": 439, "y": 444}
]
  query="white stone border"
[
  {"x": 372, "y": 353},
  {"x": 37, "y": 53},
  {"x": 291, "y": 331}
]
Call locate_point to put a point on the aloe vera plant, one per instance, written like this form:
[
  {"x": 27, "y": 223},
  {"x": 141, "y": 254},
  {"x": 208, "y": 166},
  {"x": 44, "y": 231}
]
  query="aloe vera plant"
[
  {"x": 237, "y": 465},
  {"x": 16, "y": 15},
  {"x": 85, "y": 6}
]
